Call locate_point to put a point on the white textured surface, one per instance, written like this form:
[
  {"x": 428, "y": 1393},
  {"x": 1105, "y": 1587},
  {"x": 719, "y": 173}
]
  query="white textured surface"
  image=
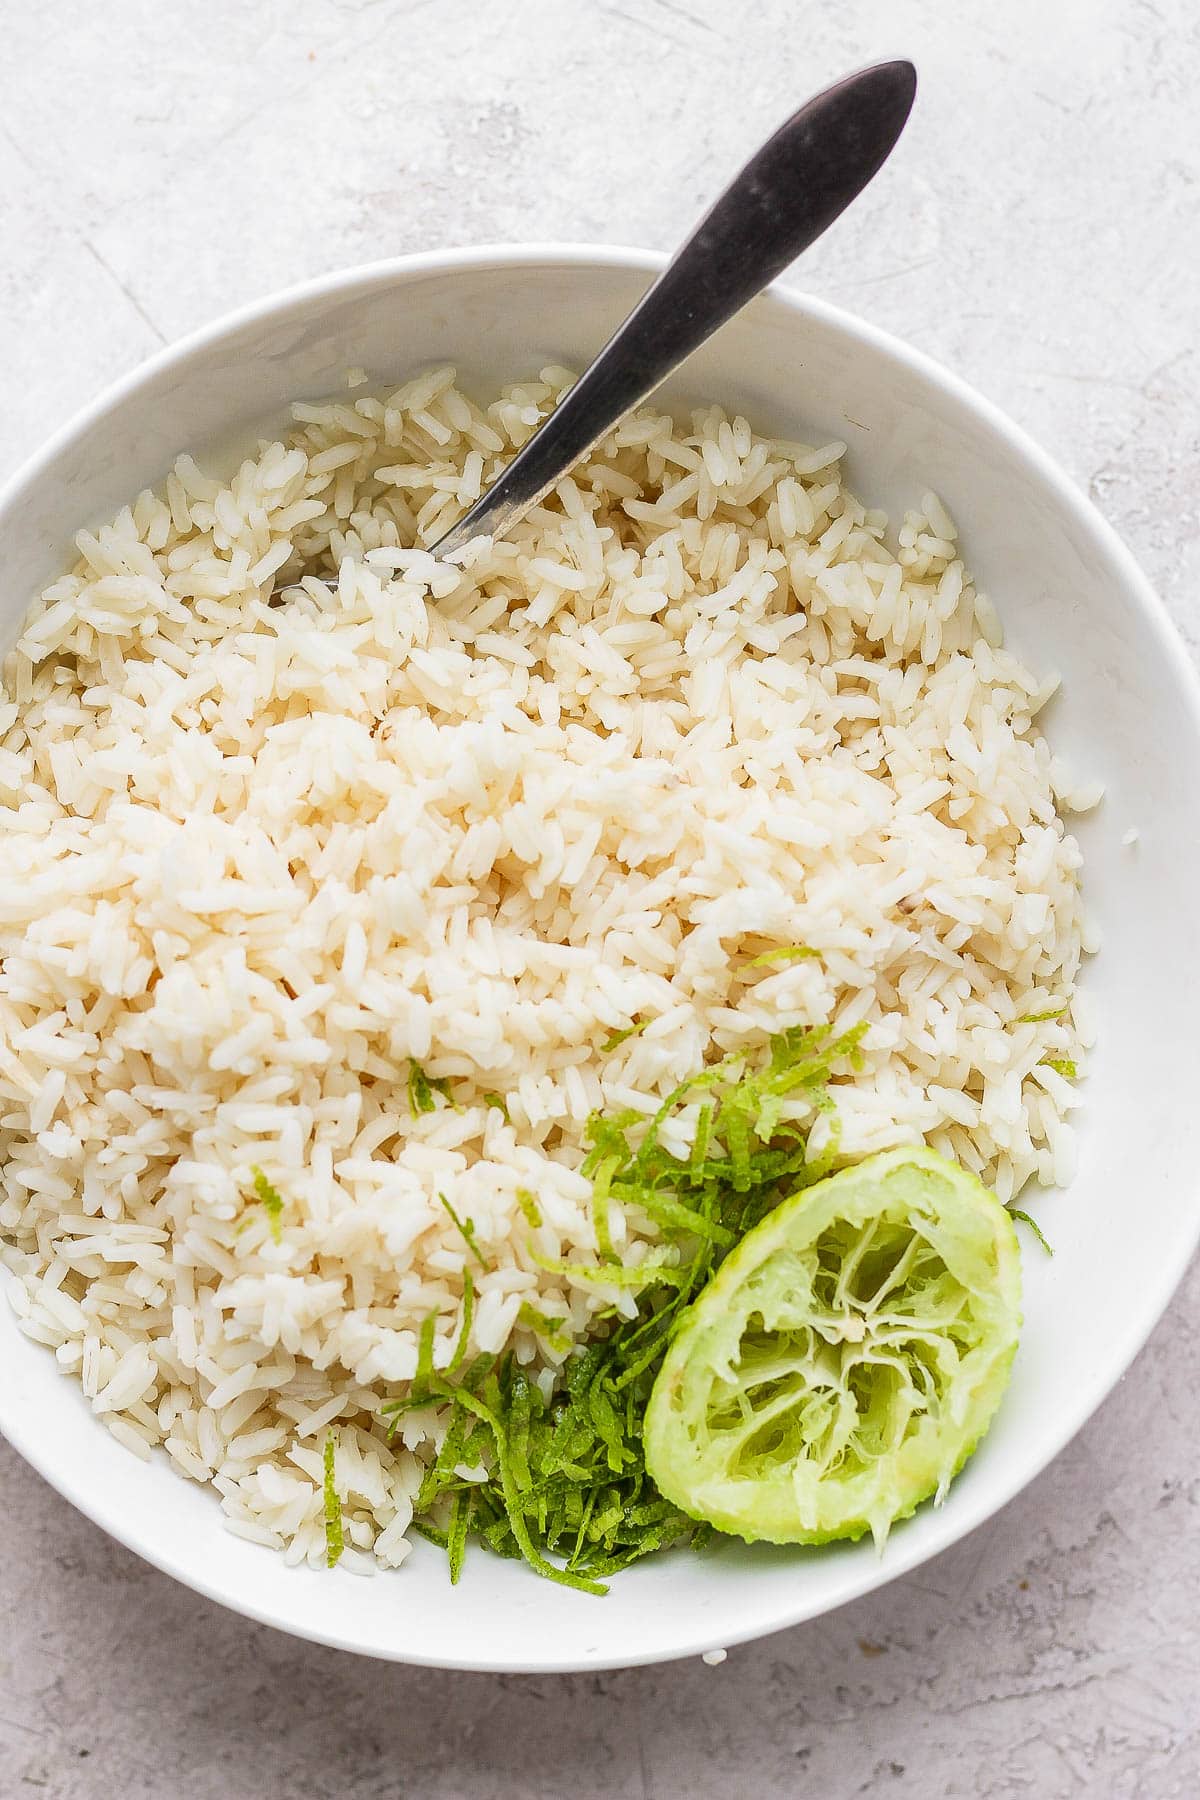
[{"x": 1038, "y": 231}]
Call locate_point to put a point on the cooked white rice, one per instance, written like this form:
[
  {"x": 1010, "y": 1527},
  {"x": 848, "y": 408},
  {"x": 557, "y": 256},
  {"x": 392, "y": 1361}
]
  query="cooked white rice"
[{"x": 264, "y": 848}]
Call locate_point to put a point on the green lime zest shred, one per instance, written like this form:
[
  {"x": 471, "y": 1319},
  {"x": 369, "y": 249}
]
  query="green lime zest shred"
[
  {"x": 512, "y": 1494},
  {"x": 784, "y": 953},
  {"x": 673, "y": 1215},
  {"x": 550, "y": 1329},
  {"x": 420, "y": 1093},
  {"x": 466, "y": 1230},
  {"x": 335, "y": 1536},
  {"x": 423, "y": 1088},
  {"x": 530, "y": 1208},
  {"x": 620, "y": 1037},
  {"x": 1033, "y": 1225},
  {"x": 618, "y": 1275},
  {"x": 456, "y": 1535},
  {"x": 700, "y": 1142},
  {"x": 498, "y": 1103},
  {"x": 459, "y": 1355},
  {"x": 272, "y": 1201},
  {"x": 1062, "y": 1065},
  {"x": 601, "y": 1182},
  {"x": 424, "y": 1371},
  {"x": 559, "y": 1480},
  {"x": 1040, "y": 1018}
]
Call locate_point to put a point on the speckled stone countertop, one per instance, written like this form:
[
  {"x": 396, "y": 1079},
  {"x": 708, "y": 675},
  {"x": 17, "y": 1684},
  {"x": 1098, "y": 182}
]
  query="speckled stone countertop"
[{"x": 1038, "y": 232}]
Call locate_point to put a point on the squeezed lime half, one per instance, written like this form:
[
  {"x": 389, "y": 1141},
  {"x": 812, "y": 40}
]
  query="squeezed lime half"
[{"x": 846, "y": 1358}]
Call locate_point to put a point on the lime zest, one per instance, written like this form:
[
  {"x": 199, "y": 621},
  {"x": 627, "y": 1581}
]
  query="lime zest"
[
  {"x": 459, "y": 1355},
  {"x": 335, "y": 1536},
  {"x": 1040, "y": 1018},
  {"x": 424, "y": 1369},
  {"x": 1062, "y": 1065},
  {"x": 456, "y": 1535},
  {"x": 545, "y": 1325},
  {"x": 700, "y": 1142},
  {"x": 499, "y": 1104},
  {"x": 601, "y": 1183},
  {"x": 420, "y": 1092},
  {"x": 466, "y": 1229},
  {"x": 784, "y": 953},
  {"x": 530, "y": 1208},
  {"x": 512, "y": 1493},
  {"x": 1039, "y": 1234},
  {"x": 272, "y": 1201},
  {"x": 620, "y": 1037},
  {"x": 422, "y": 1088},
  {"x": 618, "y": 1275},
  {"x": 565, "y": 1484},
  {"x": 506, "y": 1523},
  {"x": 675, "y": 1216}
]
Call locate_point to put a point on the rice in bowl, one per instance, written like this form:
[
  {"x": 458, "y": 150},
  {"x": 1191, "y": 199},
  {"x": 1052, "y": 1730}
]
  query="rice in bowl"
[{"x": 270, "y": 850}]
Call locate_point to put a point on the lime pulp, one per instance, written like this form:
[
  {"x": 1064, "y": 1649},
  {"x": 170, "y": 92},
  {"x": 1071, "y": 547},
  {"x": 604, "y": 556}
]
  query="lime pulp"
[{"x": 845, "y": 1360}]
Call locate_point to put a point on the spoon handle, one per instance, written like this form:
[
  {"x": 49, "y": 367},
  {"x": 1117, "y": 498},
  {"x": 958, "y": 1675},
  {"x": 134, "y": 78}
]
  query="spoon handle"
[{"x": 786, "y": 196}]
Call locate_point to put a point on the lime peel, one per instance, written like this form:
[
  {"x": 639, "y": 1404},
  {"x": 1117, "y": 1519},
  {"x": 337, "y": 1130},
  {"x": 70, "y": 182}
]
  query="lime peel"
[
  {"x": 335, "y": 1538},
  {"x": 272, "y": 1201}
]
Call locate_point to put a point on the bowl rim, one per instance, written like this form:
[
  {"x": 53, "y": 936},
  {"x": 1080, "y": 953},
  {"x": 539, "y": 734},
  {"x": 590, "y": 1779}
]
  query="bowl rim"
[{"x": 1068, "y": 497}]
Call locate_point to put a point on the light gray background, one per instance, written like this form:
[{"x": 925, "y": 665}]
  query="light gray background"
[{"x": 161, "y": 162}]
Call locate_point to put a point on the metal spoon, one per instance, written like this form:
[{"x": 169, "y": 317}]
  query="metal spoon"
[{"x": 786, "y": 196}]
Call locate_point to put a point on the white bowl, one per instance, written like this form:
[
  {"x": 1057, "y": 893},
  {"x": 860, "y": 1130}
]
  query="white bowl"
[{"x": 1071, "y": 599}]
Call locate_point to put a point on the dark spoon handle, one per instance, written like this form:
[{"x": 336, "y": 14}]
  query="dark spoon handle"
[{"x": 786, "y": 196}]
